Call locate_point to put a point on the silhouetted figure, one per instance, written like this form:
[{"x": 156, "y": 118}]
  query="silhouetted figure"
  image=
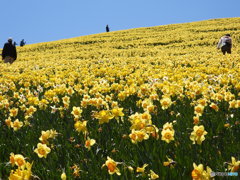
[
  {"x": 225, "y": 43},
  {"x": 9, "y": 52},
  {"x": 14, "y": 43},
  {"x": 22, "y": 43},
  {"x": 107, "y": 29}
]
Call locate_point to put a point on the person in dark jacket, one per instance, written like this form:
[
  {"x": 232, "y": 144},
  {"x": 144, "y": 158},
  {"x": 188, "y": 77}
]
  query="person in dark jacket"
[
  {"x": 22, "y": 43},
  {"x": 107, "y": 29},
  {"x": 9, "y": 52}
]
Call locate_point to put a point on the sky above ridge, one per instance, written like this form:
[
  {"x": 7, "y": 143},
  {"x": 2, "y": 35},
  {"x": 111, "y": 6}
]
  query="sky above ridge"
[{"x": 50, "y": 20}]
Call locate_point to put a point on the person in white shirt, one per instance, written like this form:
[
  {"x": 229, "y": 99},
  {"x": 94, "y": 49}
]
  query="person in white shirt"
[{"x": 225, "y": 43}]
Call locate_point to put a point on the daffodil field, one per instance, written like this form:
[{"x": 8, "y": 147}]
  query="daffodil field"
[{"x": 147, "y": 103}]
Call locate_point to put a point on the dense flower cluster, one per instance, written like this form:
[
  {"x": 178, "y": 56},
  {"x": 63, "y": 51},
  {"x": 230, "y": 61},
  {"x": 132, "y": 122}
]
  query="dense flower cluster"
[{"x": 136, "y": 97}]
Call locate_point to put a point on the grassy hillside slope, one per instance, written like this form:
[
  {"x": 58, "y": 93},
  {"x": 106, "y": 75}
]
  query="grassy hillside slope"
[{"x": 161, "y": 96}]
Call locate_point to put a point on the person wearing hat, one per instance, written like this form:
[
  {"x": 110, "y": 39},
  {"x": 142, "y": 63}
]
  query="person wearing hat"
[
  {"x": 9, "y": 52},
  {"x": 225, "y": 43}
]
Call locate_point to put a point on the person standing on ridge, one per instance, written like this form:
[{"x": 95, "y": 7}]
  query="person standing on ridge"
[
  {"x": 9, "y": 52},
  {"x": 225, "y": 43},
  {"x": 22, "y": 43},
  {"x": 107, "y": 28}
]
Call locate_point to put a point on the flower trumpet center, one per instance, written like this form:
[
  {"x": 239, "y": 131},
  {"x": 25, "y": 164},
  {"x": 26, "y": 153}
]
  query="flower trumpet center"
[
  {"x": 76, "y": 112},
  {"x": 115, "y": 112},
  {"x": 165, "y": 103},
  {"x": 198, "y": 109},
  {"x": 167, "y": 135},
  {"x": 199, "y": 132},
  {"x": 20, "y": 162},
  {"x": 140, "y": 135},
  {"x": 235, "y": 168},
  {"x": 87, "y": 143},
  {"x": 41, "y": 151},
  {"x": 196, "y": 174},
  {"x": 134, "y": 137},
  {"x": 111, "y": 167}
]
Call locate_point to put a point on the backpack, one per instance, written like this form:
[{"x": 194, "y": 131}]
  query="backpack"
[{"x": 227, "y": 42}]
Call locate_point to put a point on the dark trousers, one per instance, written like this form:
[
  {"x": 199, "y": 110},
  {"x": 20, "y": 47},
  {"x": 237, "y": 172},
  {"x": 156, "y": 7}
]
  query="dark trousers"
[
  {"x": 9, "y": 59},
  {"x": 226, "y": 49}
]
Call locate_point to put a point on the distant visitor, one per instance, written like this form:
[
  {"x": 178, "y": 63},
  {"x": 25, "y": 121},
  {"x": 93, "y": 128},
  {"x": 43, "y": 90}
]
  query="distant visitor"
[
  {"x": 9, "y": 52},
  {"x": 22, "y": 43},
  {"x": 225, "y": 43},
  {"x": 107, "y": 28}
]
